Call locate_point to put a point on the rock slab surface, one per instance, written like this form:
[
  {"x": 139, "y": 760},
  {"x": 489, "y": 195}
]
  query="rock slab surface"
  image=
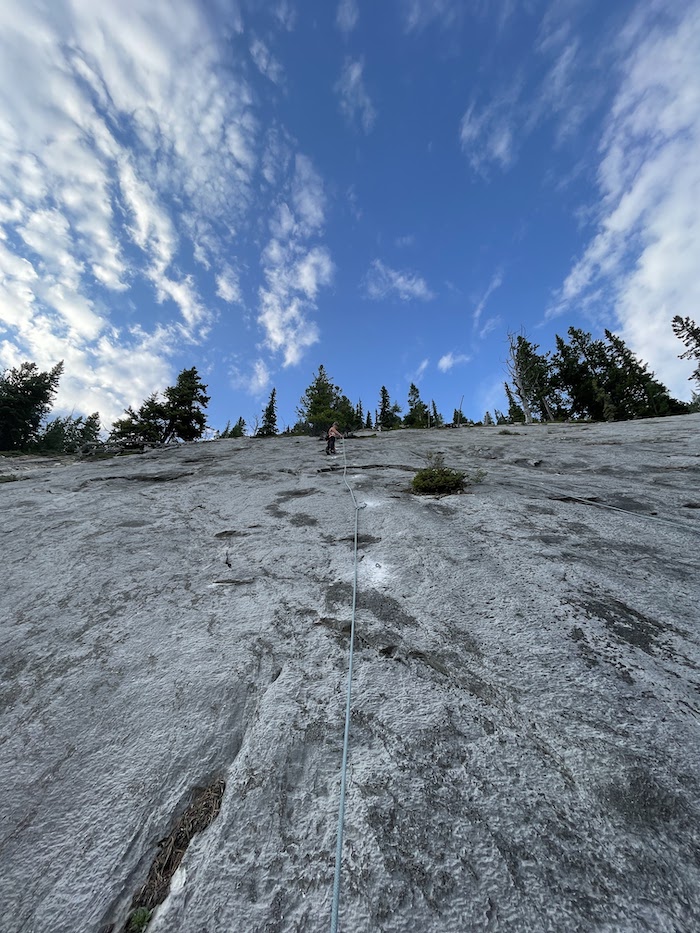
[{"x": 524, "y": 747}]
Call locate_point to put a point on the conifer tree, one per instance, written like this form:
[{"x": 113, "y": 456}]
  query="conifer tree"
[
  {"x": 389, "y": 414},
  {"x": 238, "y": 429},
  {"x": 368, "y": 422},
  {"x": 515, "y": 412},
  {"x": 323, "y": 403},
  {"x": 179, "y": 415},
  {"x": 689, "y": 332},
  {"x": 184, "y": 405},
  {"x": 633, "y": 389},
  {"x": 268, "y": 427},
  {"x": 417, "y": 414},
  {"x": 531, "y": 374},
  {"x": 69, "y": 435},
  {"x": 26, "y": 395},
  {"x": 580, "y": 371},
  {"x": 438, "y": 420}
]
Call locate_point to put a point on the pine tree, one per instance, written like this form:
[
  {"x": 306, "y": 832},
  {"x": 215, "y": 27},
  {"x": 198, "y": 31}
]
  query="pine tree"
[
  {"x": 185, "y": 403},
  {"x": 178, "y": 415},
  {"x": 238, "y": 430},
  {"x": 368, "y": 422},
  {"x": 389, "y": 415},
  {"x": 515, "y": 412},
  {"x": 359, "y": 414},
  {"x": 417, "y": 415},
  {"x": 69, "y": 435},
  {"x": 634, "y": 391},
  {"x": 458, "y": 417},
  {"x": 323, "y": 403},
  {"x": 26, "y": 395},
  {"x": 689, "y": 332},
  {"x": 531, "y": 373},
  {"x": 580, "y": 371},
  {"x": 268, "y": 427},
  {"x": 438, "y": 420}
]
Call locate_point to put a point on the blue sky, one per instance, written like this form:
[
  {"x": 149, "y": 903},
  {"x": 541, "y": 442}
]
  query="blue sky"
[{"x": 388, "y": 188}]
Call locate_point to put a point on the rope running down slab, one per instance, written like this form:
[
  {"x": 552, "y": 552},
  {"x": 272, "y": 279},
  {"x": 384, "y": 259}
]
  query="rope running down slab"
[{"x": 344, "y": 766}]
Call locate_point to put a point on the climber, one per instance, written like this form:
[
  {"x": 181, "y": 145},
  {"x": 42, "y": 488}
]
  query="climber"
[{"x": 331, "y": 435}]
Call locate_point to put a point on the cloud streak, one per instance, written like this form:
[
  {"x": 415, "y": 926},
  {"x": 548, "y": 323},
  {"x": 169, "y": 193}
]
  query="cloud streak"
[
  {"x": 641, "y": 261},
  {"x": 347, "y": 15},
  {"x": 295, "y": 270},
  {"x": 449, "y": 360},
  {"x": 382, "y": 281},
  {"x": 355, "y": 103},
  {"x": 115, "y": 161}
]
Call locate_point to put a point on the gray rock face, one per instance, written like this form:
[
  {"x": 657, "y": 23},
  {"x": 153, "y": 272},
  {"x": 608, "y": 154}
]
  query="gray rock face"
[{"x": 524, "y": 746}]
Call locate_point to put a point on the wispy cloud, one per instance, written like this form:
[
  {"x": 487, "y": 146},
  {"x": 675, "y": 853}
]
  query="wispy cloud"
[
  {"x": 116, "y": 160},
  {"x": 294, "y": 270},
  {"x": 420, "y": 372},
  {"x": 228, "y": 287},
  {"x": 560, "y": 86},
  {"x": 642, "y": 261},
  {"x": 403, "y": 242},
  {"x": 382, "y": 281},
  {"x": 265, "y": 62},
  {"x": 347, "y": 15},
  {"x": 446, "y": 362},
  {"x": 418, "y": 14},
  {"x": 496, "y": 282},
  {"x": 255, "y": 380},
  {"x": 355, "y": 103},
  {"x": 487, "y": 134}
]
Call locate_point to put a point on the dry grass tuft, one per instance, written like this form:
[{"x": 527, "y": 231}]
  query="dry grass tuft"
[{"x": 200, "y": 814}]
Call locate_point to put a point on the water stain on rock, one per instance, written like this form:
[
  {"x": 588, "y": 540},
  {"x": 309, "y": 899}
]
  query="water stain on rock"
[
  {"x": 301, "y": 520},
  {"x": 626, "y": 624},
  {"x": 641, "y": 799}
]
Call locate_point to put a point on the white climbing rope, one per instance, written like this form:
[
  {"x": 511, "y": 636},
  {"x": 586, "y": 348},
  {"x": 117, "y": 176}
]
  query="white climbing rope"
[
  {"x": 563, "y": 495},
  {"x": 344, "y": 766}
]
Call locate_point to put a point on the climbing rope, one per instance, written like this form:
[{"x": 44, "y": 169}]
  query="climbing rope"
[
  {"x": 563, "y": 495},
  {"x": 344, "y": 766}
]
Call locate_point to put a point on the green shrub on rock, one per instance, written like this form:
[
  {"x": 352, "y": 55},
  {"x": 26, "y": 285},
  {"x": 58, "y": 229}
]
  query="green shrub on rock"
[
  {"x": 437, "y": 479},
  {"x": 138, "y": 920}
]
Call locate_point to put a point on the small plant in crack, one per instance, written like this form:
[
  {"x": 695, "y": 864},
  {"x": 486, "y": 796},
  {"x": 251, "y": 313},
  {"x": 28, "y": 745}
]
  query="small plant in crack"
[
  {"x": 438, "y": 479},
  {"x": 138, "y": 920}
]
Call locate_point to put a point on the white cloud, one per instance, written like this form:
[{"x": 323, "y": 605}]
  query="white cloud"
[
  {"x": 355, "y": 103},
  {"x": 255, "y": 381},
  {"x": 489, "y": 325},
  {"x": 487, "y": 136},
  {"x": 643, "y": 257},
  {"x": 382, "y": 281},
  {"x": 561, "y": 87},
  {"x": 294, "y": 272},
  {"x": 402, "y": 242},
  {"x": 446, "y": 362},
  {"x": 265, "y": 62},
  {"x": 347, "y": 15},
  {"x": 109, "y": 143},
  {"x": 496, "y": 282},
  {"x": 314, "y": 270},
  {"x": 286, "y": 15},
  {"x": 418, "y": 14},
  {"x": 307, "y": 195},
  {"x": 228, "y": 287}
]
